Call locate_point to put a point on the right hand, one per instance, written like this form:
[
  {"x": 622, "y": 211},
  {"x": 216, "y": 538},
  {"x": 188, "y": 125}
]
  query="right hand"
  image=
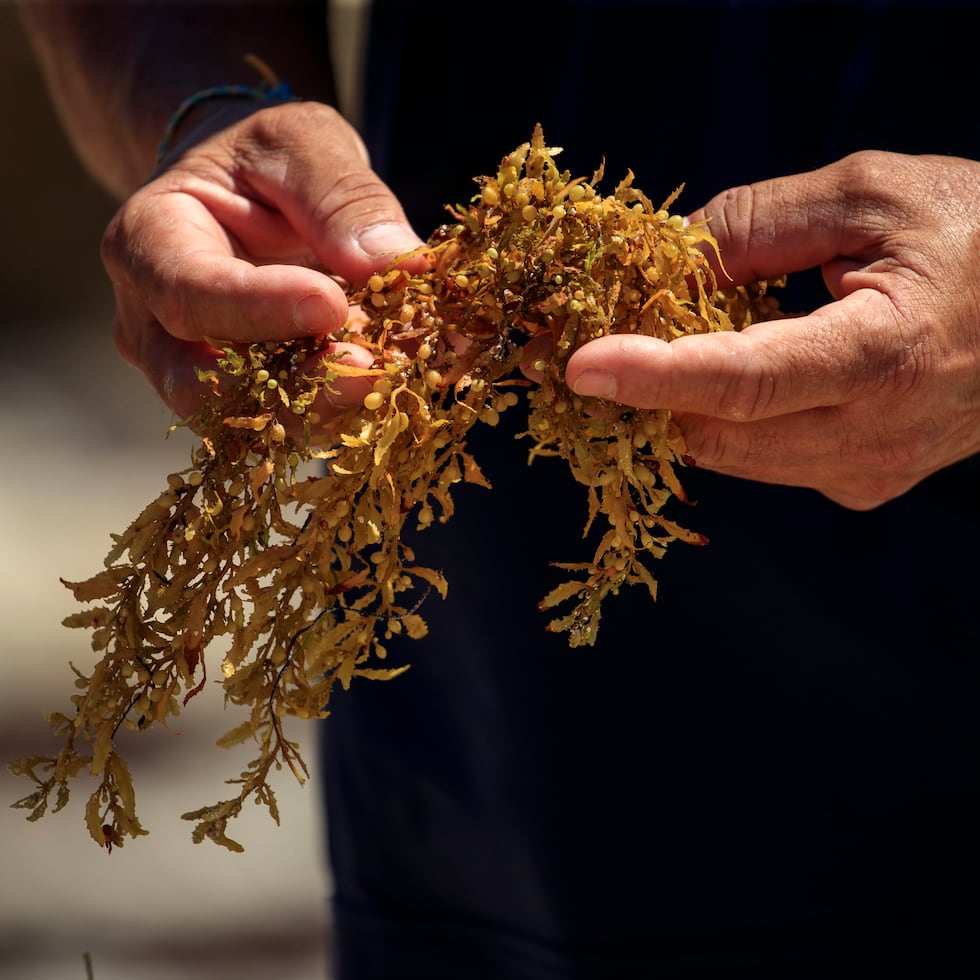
[{"x": 225, "y": 243}]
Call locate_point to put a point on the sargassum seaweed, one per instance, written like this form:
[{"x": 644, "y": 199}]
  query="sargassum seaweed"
[{"x": 306, "y": 577}]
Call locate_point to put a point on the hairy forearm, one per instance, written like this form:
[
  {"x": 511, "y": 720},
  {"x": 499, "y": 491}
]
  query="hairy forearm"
[{"x": 116, "y": 71}]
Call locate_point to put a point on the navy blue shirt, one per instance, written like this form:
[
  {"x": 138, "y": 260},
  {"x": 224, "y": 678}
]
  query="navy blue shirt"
[{"x": 770, "y": 772}]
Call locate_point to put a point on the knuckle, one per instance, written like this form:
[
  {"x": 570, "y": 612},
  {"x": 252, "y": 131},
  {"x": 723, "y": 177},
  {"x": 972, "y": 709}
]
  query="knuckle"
[
  {"x": 705, "y": 443},
  {"x": 729, "y": 214},
  {"x": 277, "y": 126},
  {"x": 352, "y": 194},
  {"x": 306, "y": 139},
  {"x": 748, "y": 392},
  {"x": 864, "y": 170},
  {"x": 307, "y": 133},
  {"x": 746, "y": 222},
  {"x": 178, "y": 307},
  {"x": 746, "y": 397},
  {"x": 872, "y": 186}
]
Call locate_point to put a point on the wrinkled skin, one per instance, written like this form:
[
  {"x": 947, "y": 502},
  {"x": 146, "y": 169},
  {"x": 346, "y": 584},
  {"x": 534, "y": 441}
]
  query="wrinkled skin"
[
  {"x": 867, "y": 395},
  {"x": 229, "y": 240}
]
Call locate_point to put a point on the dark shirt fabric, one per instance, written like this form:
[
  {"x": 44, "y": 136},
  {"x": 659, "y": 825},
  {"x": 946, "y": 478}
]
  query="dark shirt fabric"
[{"x": 772, "y": 770}]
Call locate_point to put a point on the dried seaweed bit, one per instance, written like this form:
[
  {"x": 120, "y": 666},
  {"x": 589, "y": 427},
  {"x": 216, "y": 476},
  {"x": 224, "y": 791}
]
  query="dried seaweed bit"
[{"x": 305, "y": 578}]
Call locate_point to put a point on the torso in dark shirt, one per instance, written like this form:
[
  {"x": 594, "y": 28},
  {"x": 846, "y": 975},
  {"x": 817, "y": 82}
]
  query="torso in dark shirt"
[{"x": 772, "y": 771}]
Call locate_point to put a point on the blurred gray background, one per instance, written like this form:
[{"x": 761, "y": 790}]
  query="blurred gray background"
[{"x": 84, "y": 448}]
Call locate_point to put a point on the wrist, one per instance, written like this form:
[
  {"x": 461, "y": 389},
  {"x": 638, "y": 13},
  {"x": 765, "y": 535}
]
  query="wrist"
[
  {"x": 202, "y": 121},
  {"x": 211, "y": 109}
]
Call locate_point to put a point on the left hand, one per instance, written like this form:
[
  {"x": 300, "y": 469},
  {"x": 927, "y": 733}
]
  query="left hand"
[{"x": 867, "y": 395}]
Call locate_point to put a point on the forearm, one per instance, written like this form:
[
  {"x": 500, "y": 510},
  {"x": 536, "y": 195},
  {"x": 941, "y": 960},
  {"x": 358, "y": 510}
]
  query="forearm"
[{"x": 117, "y": 71}]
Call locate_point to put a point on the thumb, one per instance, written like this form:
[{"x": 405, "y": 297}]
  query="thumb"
[{"x": 320, "y": 178}]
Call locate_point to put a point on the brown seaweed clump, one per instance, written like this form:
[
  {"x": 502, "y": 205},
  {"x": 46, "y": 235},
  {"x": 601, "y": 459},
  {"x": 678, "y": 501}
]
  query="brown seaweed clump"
[{"x": 305, "y": 577}]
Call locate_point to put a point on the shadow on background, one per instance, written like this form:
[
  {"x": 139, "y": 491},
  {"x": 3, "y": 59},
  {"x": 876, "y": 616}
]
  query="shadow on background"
[{"x": 85, "y": 447}]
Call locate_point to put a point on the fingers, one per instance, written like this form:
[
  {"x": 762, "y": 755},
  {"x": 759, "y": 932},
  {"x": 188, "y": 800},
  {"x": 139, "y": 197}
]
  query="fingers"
[
  {"x": 220, "y": 246},
  {"x": 772, "y": 228},
  {"x": 313, "y": 167},
  {"x": 179, "y": 264},
  {"x": 865, "y": 396},
  {"x": 171, "y": 366},
  {"x": 771, "y": 446},
  {"x": 342, "y": 393},
  {"x": 804, "y": 221},
  {"x": 823, "y": 448},
  {"x": 841, "y": 352},
  {"x": 812, "y": 401},
  {"x": 285, "y": 184}
]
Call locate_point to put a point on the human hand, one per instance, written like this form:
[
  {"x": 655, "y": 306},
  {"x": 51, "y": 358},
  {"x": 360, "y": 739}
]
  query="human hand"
[
  {"x": 865, "y": 396},
  {"x": 229, "y": 242}
]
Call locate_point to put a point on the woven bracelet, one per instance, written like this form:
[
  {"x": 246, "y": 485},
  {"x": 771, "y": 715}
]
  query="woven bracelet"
[{"x": 270, "y": 89}]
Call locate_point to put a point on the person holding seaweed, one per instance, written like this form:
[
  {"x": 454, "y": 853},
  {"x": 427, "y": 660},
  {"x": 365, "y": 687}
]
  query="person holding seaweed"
[{"x": 770, "y": 772}]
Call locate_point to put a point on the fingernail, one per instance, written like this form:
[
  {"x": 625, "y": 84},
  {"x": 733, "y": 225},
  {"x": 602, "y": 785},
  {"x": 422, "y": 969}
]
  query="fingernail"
[
  {"x": 379, "y": 241},
  {"x": 313, "y": 315},
  {"x": 595, "y": 384}
]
